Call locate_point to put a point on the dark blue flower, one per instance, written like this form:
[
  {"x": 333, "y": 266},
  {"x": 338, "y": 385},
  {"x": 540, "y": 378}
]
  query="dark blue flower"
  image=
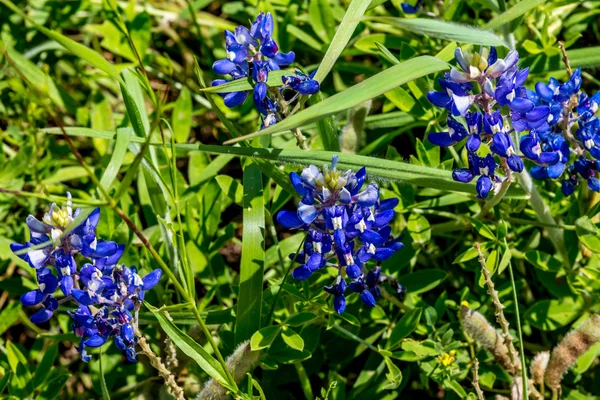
[
  {"x": 456, "y": 133},
  {"x": 337, "y": 290},
  {"x": 369, "y": 287},
  {"x": 301, "y": 83},
  {"x": 484, "y": 167}
]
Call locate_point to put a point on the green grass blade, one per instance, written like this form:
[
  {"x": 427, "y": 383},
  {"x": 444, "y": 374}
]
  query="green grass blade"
[
  {"x": 379, "y": 169},
  {"x": 326, "y": 127},
  {"x": 78, "y": 49},
  {"x": 243, "y": 84},
  {"x": 119, "y": 152},
  {"x": 249, "y": 305},
  {"x": 513, "y": 13},
  {"x": 103, "y": 388},
  {"x": 43, "y": 369},
  {"x": 342, "y": 36},
  {"x": 444, "y": 30},
  {"x": 192, "y": 349},
  {"x": 369, "y": 88},
  {"x": 541, "y": 63}
]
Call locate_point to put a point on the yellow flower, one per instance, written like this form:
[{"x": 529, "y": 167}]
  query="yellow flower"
[
  {"x": 447, "y": 359},
  {"x": 464, "y": 303}
]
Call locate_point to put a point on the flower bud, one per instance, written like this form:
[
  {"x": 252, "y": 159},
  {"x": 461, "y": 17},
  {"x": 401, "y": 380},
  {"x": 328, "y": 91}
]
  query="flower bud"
[
  {"x": 240, "y": 362},
  {"x": 480, "y": 329},
  {"x": 573, "y": 345},
  {"x": 538, "y": 366}
]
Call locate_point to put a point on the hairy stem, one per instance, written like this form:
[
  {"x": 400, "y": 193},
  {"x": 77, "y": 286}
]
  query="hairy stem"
[{"x": 476, "y": 380}]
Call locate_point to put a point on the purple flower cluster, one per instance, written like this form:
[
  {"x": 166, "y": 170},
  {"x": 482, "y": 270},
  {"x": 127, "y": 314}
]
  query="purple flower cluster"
[
  {"x": 106, "y": 293},
  {"x": 252, "y": 54},
  {"x": 555, "y": 120},
  {"x": 347, "y": 228},
  {"x": 550, "y": 143},
  {"x": 474, "y": 96}
]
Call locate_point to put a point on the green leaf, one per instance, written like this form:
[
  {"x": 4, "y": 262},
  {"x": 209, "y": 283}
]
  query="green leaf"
[
  {"x": 300, "y": 319},
  {"x": 243, "y": 84},
  {"x": 591, "y": 242},
  {"x": 444, "y": 30},
  {"x": 78, "y": 49},
  {"x": 543, "y": 261},
  {"x": 326, "y": 127},
  {"x": 407, "y": 324},
  {"x": 9, "y": 315},
  {"x": 482, "y": 229},
  {"x": 192, "y": 349},
  {"x": 394, "y": 376},
  {"x": 231, "y": 187},
  {"x": 419, "y": 229},
  {"x": 43, "y": 369},
  {"x": 54, "y": 387},
  {"x": 304, "y": 37},
  {"x": 249, "y": 304},
  {"x": 369, "y": 88},
  {"x": 587, "y": 57},
  {"x": 21, "y": 382},
  {"x": 105, "y": 394},
  {"x": 116, "y": 160},
  {"x": 549, "y": 315},
  {"x": 422, "y": 281},
  {"x": 342, "y": 36},
  {"x": 292, "y": 339},
  {"x": 182, "y": 116},
  {"x": 513, "y": 13},
  {"x": 264, "y": 337},
  {"x": 585, "y": 226},
  {"x": 386, "y": 170}
]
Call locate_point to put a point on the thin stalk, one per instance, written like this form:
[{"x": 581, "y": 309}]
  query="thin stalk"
[
  {"x": 287, "y": 272},
  {"x": 519, "y": 330},
  {"x": 476, "y": 380},
  {"x": 522, "y": 221},
  {"x": 354, "y": 337},
  {"x": 498, "y": 196},
  {"x": 543, "y": 213}
]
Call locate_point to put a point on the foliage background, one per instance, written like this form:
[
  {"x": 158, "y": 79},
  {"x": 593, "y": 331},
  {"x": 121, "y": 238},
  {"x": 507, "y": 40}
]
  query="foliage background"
[{"x": 198, "y": 225}]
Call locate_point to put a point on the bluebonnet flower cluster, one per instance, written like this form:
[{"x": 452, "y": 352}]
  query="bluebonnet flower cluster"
[
  {"x": 550, "y": 142},
  {"x": 106, "y": 293},
  {"x": 410, "y": 9},
  {"x": 252, "y": 54},
  {"x": 500, "y": 83},
  {"x": 347, "y": 227}
]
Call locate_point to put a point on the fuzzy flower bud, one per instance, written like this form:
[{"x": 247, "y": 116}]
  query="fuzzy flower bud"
[
  {"x": 538, "y": 366},
  {"x": 573, "y": 345},
  {"x": 240, "y": 362},
  {"x": 478, "y": 327}
]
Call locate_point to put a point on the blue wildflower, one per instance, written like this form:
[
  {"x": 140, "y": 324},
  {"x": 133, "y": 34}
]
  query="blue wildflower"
[{"x": 348, "y": 225}]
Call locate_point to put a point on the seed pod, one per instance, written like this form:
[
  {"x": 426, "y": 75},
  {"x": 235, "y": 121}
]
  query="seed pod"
[
  {"x": 240, "y": 362},
  {"x": 573, "y": 345},
  {"x": 538, "y": 366},
  {"x": 480, "y": 329}
]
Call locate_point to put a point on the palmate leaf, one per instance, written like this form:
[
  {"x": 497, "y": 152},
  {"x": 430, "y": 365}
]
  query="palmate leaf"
[
  {"x": 369, "y": 88},
  {"x": 378, "y": 169},
  {"x": 444, "y": 30}
]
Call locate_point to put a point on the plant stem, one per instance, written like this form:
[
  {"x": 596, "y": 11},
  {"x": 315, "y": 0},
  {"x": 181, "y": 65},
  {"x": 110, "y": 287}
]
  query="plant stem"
[
  {"x": 543, "y": 213},
  {"x": 519, "y": 330},
  {"x": 476, "y": 379},
  {"x": 354, "y": 337}
]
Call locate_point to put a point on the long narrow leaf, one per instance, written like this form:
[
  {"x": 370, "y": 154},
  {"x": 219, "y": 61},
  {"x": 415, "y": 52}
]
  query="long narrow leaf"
[
  {"x": 249, "y": 304},
  {"x": 513, "y": 13},
  {"x": 444, "y": 30},
  {"x": 385, "y": 170},
  {"x": 192, "y": 349},
  {"x": 342, "y": 36},
  {"x": 369, "y": 88},
  {"x": 120, "y": 149}
]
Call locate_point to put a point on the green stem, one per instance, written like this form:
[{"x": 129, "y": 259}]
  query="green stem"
[
  {"x": 543, "y": 213},
  {"x": 522, "y": 221},
  {"x": 354, "y": 337},
  {"x": 519, "y": 330}
]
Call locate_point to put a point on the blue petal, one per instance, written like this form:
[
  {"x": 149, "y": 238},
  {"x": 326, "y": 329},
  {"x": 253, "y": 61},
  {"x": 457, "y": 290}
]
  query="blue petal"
[
  {"x": 367, "y": 298},
  {"x": 82, "y": 297},
  {"x": 235, "y": 98},
  {"x": 388, "y": 204},
  {"x": 339, "y": 237},
  {"x": 32, "y": 298},
  {"x": 66, "y": 285},
  {"x": 521, "y": 105},
  {"x": 289, "y": 219},
  {"x": 369, "y": 236},
  {"x": 462, "y": 103},
  {"x": 442, "y": 139},
  {"x": 301, "y": 273},
  {"x": 339, "y": 303},
  {"x": 308, "y": 87},
  {"x": 473, "y": 143},
  {"x": 544, "y": 91},
  {"x": 353, "y": 271},
  {"x": 515, "y": 163},
  {"x": 223, "y": 67},
  {"x": 462, "y": 175},
  {"x": 127, "y": 332},
  {"x": 594, "y": 184},
  {"x": 548, "y": 158},
  {"x": 307, "y": 213},
  {"x": 95, "y": 341},
  {"x": 383, "y": 253},
  {"x": 296, "y": 181},
  {"x": 152, "y": 279},
  {"x": 483, "y": 186},
  {"x": 438, "y": 99},
  {"x": 41, "y": 316},
  {"x": 369, "y": 197},
  {"x": 284, "y": 58}
]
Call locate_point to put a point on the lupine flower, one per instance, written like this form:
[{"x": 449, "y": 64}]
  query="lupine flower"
[
  {"x": 348, "y": 227},
  {"x": 500, "y": 84},
  {"x": 410, "y": 9},
  {"x": 106, "y": 293},
  {"x": 254, "y": 53}
]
